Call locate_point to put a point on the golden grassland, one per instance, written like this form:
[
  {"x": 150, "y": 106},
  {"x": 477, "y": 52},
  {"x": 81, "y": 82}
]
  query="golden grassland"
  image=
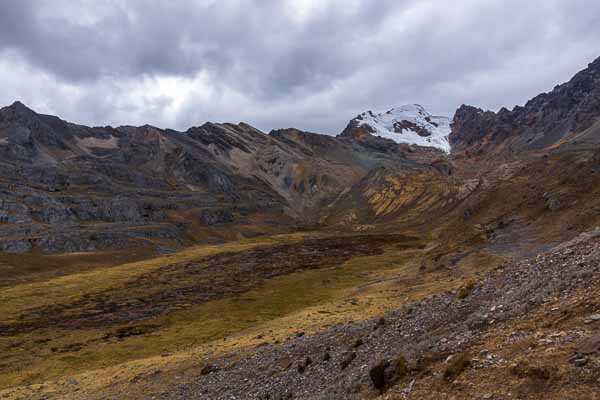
[
  {"x": 15, "y": 300},
  {"x": 362, "y": 287}
]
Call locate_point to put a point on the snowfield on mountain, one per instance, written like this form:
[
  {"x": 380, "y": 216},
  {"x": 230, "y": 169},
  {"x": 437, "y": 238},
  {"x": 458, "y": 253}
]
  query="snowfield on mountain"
[{"x": 410, "y": 124}]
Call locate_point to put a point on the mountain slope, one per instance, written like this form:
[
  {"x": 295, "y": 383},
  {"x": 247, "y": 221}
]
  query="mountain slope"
[
  {"x": 569, "y": 113},
  {"x": 68, "y": 187}
]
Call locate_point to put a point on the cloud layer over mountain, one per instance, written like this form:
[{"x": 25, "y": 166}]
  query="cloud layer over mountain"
[{"x": 310, "y": 64}]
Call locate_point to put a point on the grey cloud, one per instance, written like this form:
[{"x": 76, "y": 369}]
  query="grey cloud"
[{"x": 259, "y": 62}]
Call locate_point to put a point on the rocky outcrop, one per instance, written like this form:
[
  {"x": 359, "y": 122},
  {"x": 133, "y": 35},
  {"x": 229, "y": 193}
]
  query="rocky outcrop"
[{"x": 356, "y": 130}]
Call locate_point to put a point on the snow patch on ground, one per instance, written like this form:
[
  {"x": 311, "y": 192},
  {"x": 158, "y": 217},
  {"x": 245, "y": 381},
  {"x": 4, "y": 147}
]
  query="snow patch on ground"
[{"x": 386, "y": 125}]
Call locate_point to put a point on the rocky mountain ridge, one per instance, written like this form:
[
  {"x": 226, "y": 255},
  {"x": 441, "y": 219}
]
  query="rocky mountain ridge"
[
  {"x": 569, "y": 113},
  {"x": 66, "y": 187},
  {"x": 69, "y": 187}
]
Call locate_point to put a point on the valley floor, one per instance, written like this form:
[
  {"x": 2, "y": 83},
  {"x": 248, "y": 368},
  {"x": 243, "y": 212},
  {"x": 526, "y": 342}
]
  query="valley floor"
[{"x": 337, "y": 307}]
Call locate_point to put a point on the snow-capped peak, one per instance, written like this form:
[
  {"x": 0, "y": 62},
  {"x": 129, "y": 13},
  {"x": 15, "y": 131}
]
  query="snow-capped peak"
[{"x": 410, "y": 124}]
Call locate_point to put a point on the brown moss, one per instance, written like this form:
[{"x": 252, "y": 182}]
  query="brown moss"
[
  {"x": 466, "y": 289},
  {"x": 348, "y": 358},
  {"x": 457, "y": 365},
  {"x": 522, "y": 369},
  {"x": 398, "y": 369}
]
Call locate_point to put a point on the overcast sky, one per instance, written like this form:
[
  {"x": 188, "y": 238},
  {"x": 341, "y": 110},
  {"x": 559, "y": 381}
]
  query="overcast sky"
[{"x": 310, "y": 64}]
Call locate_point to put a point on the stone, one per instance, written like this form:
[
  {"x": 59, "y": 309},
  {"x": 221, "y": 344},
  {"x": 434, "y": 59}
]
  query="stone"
[
  {"x": 209, "y": 369},
  {"x": 580, "y": 362},
  {"x": 589, "y": 345},
  {"x": 377, "y": 374}
]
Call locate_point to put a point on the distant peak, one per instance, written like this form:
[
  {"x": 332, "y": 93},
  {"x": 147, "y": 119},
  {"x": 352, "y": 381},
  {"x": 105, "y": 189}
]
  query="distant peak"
[
  {"x": 410, "y": 124},
  {"x": 595, "y": 63},
  {"x": 19, "y": 107}
]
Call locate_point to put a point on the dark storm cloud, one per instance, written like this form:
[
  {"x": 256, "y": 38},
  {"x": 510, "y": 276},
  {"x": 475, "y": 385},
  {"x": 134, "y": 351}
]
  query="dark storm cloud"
[{"x": 310, "y": 64}]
